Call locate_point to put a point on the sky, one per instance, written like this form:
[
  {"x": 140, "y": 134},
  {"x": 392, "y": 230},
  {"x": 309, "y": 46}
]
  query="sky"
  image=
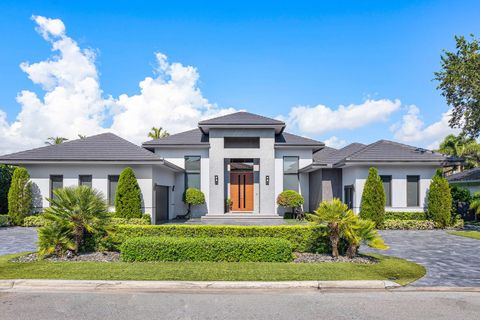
[{"x": 339, "y": 72}]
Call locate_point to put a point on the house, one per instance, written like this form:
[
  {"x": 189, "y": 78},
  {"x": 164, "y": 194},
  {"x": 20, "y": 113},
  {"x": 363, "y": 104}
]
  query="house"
[
  {"x": 468, "y": 179},
  {"x": 244, "y": 157}
]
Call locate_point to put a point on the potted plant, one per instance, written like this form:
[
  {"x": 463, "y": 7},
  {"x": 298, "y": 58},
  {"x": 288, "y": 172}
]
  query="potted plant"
[{"x": 228, "y": 204}]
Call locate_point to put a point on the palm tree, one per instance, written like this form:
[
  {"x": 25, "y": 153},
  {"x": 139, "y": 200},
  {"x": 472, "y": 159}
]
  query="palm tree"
[
  {"x": 82, "y": 136},
  {"x": 362, "y": 231},
  {"x": 337, "y": 216},
  {"x": 55, "y": 140},
  {"x": 460, "y": 146},
  {"x": 54, "y": 239},
  {"x": 79, "y": 210},
  {"x": 158, "y": 133}
]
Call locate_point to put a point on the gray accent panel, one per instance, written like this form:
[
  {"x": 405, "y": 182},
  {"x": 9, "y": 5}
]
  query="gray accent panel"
[{"x": 325, "y": 184}]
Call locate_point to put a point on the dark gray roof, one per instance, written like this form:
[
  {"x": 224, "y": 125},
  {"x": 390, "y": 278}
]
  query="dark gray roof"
[
  {"x": 288, "y": 139},
  {"x": 332, "y": 156},
  {"x": 191, "y": 137},
  {"x": 102, "y": 147},
  {"x": 239, "y": 118},
  {"x": 465, "y": 176}
]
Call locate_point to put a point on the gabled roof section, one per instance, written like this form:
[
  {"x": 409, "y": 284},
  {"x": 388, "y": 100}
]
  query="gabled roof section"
[
  {"x": 288, "y": 139},
  {"x": 194, "y": 137},
  {"x": 241, "y": 119},
  {"x": 332, "y": 156},
  {"x": 465, "y": 176},
  {"x": 101, "y": 147}
]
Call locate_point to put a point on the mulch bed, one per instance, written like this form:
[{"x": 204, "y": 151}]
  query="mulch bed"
[{"x": 305, "y": 257}]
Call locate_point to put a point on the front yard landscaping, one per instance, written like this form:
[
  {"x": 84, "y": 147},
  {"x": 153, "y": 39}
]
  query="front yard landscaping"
[
  {"x": 467, "y": 234},
  {"x": 388, "y": 268}
]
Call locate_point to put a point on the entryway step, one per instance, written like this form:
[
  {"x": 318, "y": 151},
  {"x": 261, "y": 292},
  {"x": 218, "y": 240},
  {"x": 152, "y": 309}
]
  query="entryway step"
[{"x": 247, "y": 216}]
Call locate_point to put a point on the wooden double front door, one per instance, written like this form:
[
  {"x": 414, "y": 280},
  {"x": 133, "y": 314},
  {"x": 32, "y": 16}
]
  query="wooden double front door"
[{"x": 241, "y": 191}]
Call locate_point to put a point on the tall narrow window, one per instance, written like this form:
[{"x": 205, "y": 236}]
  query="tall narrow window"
[
  {"x": 387, "y": 186},
  {"x": 112, "y": 189},
  {"x": 290, "y": 173},
  {"x": 192, "y": 172},
  {"x": 85, "y": 180},
  {"x": 413, "y": 191},
  {"x": 56, "y": 182}
]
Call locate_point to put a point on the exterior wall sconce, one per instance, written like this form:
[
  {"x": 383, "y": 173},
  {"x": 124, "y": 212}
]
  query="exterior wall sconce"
[
  {"x": 173, "y": 188},
  {"x": 267, "y": 180},
  {"x": 216, "y": 180}
]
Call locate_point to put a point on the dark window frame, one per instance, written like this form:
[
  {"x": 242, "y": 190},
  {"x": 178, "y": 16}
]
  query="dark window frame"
[
  {"x": 193, "y": 171},
  {"x": 111, "y": 202},
  {"x": 290, "y": 174},
  {"x": 241, "y": 142},
  {"x": 80, "y": 176},
  {"x": 51, "y": 183},
  {"x": 418, "y": 191},
  {"x": 388, "y": 202}
]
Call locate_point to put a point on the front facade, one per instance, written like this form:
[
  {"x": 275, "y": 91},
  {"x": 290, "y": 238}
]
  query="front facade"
[{"x": 241, "y": 162}]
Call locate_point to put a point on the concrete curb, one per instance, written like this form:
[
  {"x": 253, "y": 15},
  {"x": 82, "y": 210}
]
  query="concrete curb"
[{"x": 91, "y": 285}]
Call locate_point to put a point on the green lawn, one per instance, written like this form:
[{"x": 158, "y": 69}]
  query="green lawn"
[
  {"x": 467, "y": 234},
  {"x": 396, "y": 269}
]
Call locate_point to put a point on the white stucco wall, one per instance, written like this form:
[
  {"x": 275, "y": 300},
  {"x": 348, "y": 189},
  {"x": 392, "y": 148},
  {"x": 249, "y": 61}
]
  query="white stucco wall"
[
  {"x": 357, "y": 176},
  {"x": 40, "y": 176}
]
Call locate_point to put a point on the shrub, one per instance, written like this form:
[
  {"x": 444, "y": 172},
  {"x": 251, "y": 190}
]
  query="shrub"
[
  {"x": 4, "y": 220},
  {"x": 290, "y": 199},
  {"x": 362, "y": 231},
  {"x": 6, "y": 173},
  {"x": 128, "y": 197},
  {"x": 34, "y": 221},
  {"x": 408, "y": 225},
  {"x": 304, "y": 238},
  {"x": 206, "y": 249},
  {"x": 373, "y": 198},
  {"x": 439, "y": 207},
  {"x": 405, "y": 215},
  {"x": 134, "y": 221},
  {"x": 461, "y": 199},
  {"x": 19, "y": 196},
  {"x": 193, "y": 197}
]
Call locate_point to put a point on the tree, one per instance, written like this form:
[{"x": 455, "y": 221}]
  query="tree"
[
  {"x": 82, "y": 136},
  {"x": 459, "y": 82},
  {"x": 55, "y": 140},
  {"x": 461, "y": 146},
  {"x": 6, "y": 173},
  {"x": 19, "y": 196},
  {"x": 439, "y": 208},
  {"x": 290, "y": 199},
  {"x": 158, "y": 133},
  {"x": 373, "y": 198},
  {"x": 128, "y": 197},
  {"x": 192, "y": 197},
  {"x": 73, "y": 213},
  {"x": 475, "y": 203},
  {"x": 337, "y": 216}
]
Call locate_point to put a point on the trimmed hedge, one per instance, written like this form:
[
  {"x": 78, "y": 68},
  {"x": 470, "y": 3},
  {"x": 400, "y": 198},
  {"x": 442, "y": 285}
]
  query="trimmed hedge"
[
  {"x": 408, "y": 225},
  {"x": 34, "y": 221},
  {"x": 405, "y": 215},
  {"x": 304, "y": 238},
  {"x": 4, "y": 220},
  {"x": 258, "y": 249},
  {"x": 135, "y": 221}
]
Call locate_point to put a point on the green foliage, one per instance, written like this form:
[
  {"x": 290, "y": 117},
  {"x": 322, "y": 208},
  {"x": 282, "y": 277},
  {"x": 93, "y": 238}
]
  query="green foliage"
[
  {"x": 461, "y": 146},
  {"x": 290, "y": 199},
  {"x": 458, "y": 81},
  {"x": 408, "y": 225},
  {"x": 194, "y": 197},
  {"x": 135, "y": 221},
  {"x": 34, "y": 221},
  {"x": 304, "y": 238},
  {"x": 439, "y": 208},
  {"x": 461, "y": 199},
  {"x": 55, "y": 140},
  {"x": 4, "y": 220},
  {"x": 19, "y": 196},
  {"x": 373, "y": 198},
  {"x": 337, "y": 216},
  {"x": 128, "y": 197},
  {"x": 158, "y": 133},
  {"x": 362, "y": 231},
  {"x": 206, "y": 249},
  {"x": 76, "y": 212},
  {"x": 6, "y": 173},
  {"x": 54, "y": 238},
  {"x": 405, "y": 215}
]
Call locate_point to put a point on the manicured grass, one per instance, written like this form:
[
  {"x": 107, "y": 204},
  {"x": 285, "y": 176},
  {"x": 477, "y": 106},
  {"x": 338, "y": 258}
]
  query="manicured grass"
[
  {"x": 467, "y": 234},
  {"x": 399, "y": 270}
]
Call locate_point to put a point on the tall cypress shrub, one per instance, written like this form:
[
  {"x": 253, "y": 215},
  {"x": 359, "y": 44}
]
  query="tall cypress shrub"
[
  {"x": 19, "y": 196},
  {"x": 6, "y": 173},
  {"x": 128, "y": 197},
  {"x": 373, "y": 198},
  {"x": 439, "y": 201}
]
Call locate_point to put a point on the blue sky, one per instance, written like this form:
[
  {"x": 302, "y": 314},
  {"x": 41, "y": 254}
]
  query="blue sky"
[{"x": 264, "y": 57}]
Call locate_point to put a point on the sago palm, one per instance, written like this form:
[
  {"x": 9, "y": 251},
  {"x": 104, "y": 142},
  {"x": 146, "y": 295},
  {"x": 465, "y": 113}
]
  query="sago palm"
[
  {"x": 362, "y": 231},
  {"x": 54, "y": 238},
  {"x": 336, "y": 215},
  {"x": 80, "y": 210}
]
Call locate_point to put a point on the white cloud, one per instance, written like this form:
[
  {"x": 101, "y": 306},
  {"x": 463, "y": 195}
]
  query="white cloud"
[
  {"x": 73, "y": 102},
  {"x": 335, "y": 142},
  {"x": 413, "y": 129},
  {"x": 321, "y": 119}
]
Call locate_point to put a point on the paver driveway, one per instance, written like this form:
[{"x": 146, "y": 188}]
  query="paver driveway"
[
  {"x": 450, "y": 260},
  {"x": 17, "y": 239}
]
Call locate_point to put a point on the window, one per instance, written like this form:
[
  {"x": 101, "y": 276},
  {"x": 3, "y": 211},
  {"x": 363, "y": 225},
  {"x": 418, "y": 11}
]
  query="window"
[
  {"x": 290, "y": 173},
  {"x": 85, "y": 180},
  {"x": 241, "y": 142},
  {"x": 413, "y": 191},
  {"x": 387, "y": 186},
  {"x": 56, "y": 182},
  {"x": 112, "y": 189},
  {"x": 192, "y": 172}
]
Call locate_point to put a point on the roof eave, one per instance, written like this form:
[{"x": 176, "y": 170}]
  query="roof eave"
[
  {"x": 158, "y": 145},
  {"x": 205, "y": 128}
]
